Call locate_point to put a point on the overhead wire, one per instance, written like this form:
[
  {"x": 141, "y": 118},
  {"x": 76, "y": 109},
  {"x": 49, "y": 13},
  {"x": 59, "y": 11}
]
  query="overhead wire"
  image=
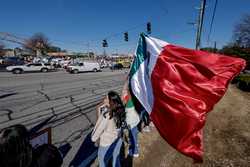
[
  {"x": 87, "y": 44},
  {"x": 212, "y": 21},
  {"x": 162, "y": 6},
  {"x": 90, "y": 43}
]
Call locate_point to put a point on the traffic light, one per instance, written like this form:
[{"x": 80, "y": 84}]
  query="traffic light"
[
  {"x": 126, "y": 36},
  {"x": 149, "y": 28},
  {"x": 104, "y": 43}
]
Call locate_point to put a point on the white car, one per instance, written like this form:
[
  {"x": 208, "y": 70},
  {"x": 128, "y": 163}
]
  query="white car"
[
  {"x": 84, "y": 66},
  {"x": 32, "y": 67}
]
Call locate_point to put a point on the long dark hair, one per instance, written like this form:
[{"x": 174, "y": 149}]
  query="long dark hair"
[
  {"x": 117, "y": 109},
  {"x": 15, "y": 149}
]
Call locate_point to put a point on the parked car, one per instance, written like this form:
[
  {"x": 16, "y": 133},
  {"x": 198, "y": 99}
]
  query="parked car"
[
  {"x": 32, "y": 67},
  {"x": 9, "y": 61},
  {"x": 117, "y": 66},
  {"x": 83, "y": 66},
  {"x": 124, "y": 63}
]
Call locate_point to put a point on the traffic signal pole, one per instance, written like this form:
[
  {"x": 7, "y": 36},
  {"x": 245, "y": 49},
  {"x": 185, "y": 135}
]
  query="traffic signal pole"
[{"x": 149, "y": 28}]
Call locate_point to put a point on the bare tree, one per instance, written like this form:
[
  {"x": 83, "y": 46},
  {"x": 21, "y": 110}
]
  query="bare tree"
[
  {"x": 241, "y": 34},
  {"x": 37, "y": 42},
  {"x": 2, "y": 51}
]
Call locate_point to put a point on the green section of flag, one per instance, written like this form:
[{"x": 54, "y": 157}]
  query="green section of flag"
[
  {"x": 129, "y": 104},
  {"x": 141, "y": 54}
]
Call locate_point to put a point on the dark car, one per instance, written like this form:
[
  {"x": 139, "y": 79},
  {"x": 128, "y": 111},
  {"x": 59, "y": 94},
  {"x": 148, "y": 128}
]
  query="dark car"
[
  {"x": 117, "y": 66},
  {"x": 10, "y": 61}
]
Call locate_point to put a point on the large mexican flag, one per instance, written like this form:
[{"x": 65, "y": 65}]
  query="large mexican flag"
[{"x": 178, "y": 87}]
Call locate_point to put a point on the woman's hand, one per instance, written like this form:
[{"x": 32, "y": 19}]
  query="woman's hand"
[{"x": 106, "y": 101}]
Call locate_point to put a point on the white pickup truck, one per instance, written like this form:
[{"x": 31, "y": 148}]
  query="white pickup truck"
[
  {"x": 32, "y": 67},
  {"x": 83, "y": 66}
]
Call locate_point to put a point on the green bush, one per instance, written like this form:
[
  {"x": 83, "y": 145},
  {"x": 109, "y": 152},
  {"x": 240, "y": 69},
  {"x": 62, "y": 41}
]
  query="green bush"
[
  {"x": 245, "y": 78},
  {"x": 237, "y": 51},
  {"x": 244, "y": 82}
]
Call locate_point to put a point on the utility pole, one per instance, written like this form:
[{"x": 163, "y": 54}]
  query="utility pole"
[
  {"x": 215, "y": 47},
  {"x": 88, "y": 50},
  {"x": 104, "y": 52},
  {"x": 200, "y": 23}
]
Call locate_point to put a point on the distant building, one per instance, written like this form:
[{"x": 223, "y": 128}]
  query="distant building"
[
  {"x": 9, "y": 52},
  {"x": 17, "y": 52},
  {"x": 58, "y": 54}
]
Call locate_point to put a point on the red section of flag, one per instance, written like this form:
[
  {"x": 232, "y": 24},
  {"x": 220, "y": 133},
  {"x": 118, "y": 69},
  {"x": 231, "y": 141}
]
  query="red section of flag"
[{"x": 186, "y": 85}]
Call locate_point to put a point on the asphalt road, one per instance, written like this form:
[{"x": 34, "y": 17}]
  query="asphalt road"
[{"x": 71, "y": 98}]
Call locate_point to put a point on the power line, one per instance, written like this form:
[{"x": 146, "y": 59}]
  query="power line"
[
  {"x": 179, "y": 33},
  {"x": 212, "y": 21},
  {"x": 117, "y": 34},
  {"x": 161, "y": 5},
  {"x": 97, "y": 40},
  {"x": 87, "y": 44}
]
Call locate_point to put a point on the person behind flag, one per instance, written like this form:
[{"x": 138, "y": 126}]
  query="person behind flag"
[
  {"x": 144, "y": 117},
  {"x": 132, "y": 120},
  {"x": 108, "y": 130}
]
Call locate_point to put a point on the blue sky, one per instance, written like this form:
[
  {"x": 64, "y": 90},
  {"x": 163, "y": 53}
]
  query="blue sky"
[{"x": 71, "y": 24}]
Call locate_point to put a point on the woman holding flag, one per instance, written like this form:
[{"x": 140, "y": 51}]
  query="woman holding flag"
[{"x": 108, "y": 130}]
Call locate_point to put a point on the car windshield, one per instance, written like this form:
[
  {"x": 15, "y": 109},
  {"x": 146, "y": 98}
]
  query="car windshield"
[{"x": 76, "y": 64}]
